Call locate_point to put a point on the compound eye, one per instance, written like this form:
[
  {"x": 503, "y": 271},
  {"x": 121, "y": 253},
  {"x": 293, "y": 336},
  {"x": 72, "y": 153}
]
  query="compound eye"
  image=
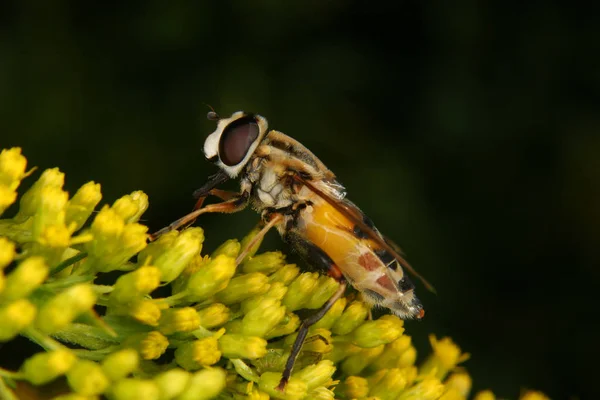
[{"x": 236, "y": 140}]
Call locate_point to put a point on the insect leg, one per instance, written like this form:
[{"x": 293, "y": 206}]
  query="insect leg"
[
  {"x": 275, "y": 219},
  {"x": 221, "y": 194},
  {"x": 230, "y": 206},
  {"x": 303, "y": 331}
]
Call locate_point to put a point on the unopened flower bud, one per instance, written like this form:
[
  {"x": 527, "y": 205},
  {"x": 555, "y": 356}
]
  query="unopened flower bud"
[
  {"x": 241, "y": 346},
  {"x": 458, "y": 386},
  {"x": 387, "y": 384},
  {"x": 29, "y": 204},
  {"x": 211, "y": 278},
  {"x": 15, "y": 317},
  {"x": 87, "y": 378},
  {"x": 135, "y": 284},
  {"x": 172, "y": 383},
  {"x": 427, "y": 389},
  {"x": 266, "y": 262},
  {"x": 42, "y": 368},
  {"x": 288, "y": 325},
  {"x": 332, "y": 315},
  {"x": 393, "y": 353},
  {"x": 214, "y": 315},
  {"x": 51, "y": 209},
  {"x": 194, "y": 355},
  {"x": 485, "y": 395},
  {"x": 63, "y": 308},
  {"x": 205, "y": 384},
  {"x": 300, "y": 290},
  {"x": 285, "y": 274},
  {"x": 264, "y": 317},
  {"x": 130, "y": 388},
  {"x": 131, "y": 207},
  {"x": 147, "y": 312},
  {"x": 248, "y": 238},
  {"x": 7, "y": 198},
  {"x": 356, "y": 363},
  {"x": 324, "y": 289},
  {"x": 243, "y": 286},
  {"x": 351, "y": 318},
  {"x": 296, "y": 389},
  {"x": 7, "y": 252},
  {"x": 153, "y": 345},
  {"x": 119, "y": 364},
  {"x": 375, "y": 333},
  {"x": 12, "y": 167},
  {"x": 230, "y": 248},
  {"x": 24, "y": 279},
  {"x": 175, "y": 320},
  {"x": 354, "y": 387},
  {"x": 82, "y": 205},
  {"x": 172, "y": 252},
  {"x": 317, "y": 374},
  {"x": 446, "y": 355}
]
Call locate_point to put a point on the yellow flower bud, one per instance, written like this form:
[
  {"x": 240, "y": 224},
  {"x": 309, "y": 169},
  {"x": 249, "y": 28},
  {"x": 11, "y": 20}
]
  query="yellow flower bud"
[
  {"x": 15, "y": 317},
  {"x": 153, "y": 345},
  {"x": 295, "y": 390},
  {"x": 321, "y": 393},
  {"x": 7, "y": 252},
  {"x": 51, "y": 209},
  {"x": 174, "y": 320},
  {"x": 87, "y": 378},
  {"x": 147, "y": 312},
  {"x": 131, "y": 207},
  {"x": 332, "y": 315},
  {"x": 387, "y": 384},
  {"x": 241, "y": 346},
  {"x": 119, "y": 364},
  {"x": 45, "y": 367},
  {"x": 24, "y": 279},
  {"x": 354, "y": 387},
  {"x": 458, "y": 386},
  {"x": 427, "y": 389},
  {"x": 352, "y": 317},
  {"x": 266, "y": 262},
  {"x": 172, "y": 383},
  {"x": 129, "y": 388},
  {"x": 211, "y": 278},
  {"x": 30, "y": 201},
  {"x": 485, "y": 395},
  {"x": 63, "y": 308},
  {"x": 533, "y": 395},
  {"x": 300, "y": 290},
  {"x": 356, "y": 363},
  {"x": 12, "y": 167},
  {"x": 194, "y": 355},
  {"x": 325, "y": 288},
  {"x": 135, "y": 284},
  {"x": 243, "y": 286},
  {"x": 446, "y": 355},
  {"x": 214, "y": 315},
  {"x": 7, "y": 198},
  {"x": 285, "y": 274},
  {"x": 317, "y": 375},
  {"x": 230, "y": 248},
  {"x": 82, "y": 205},
  {"x": 288, "y": 325},
  {"x": 393, "y": 354},
  {"x": 205, "y": 385},
  {"x": 264, "y": 317},
  {"x": 247, "y": 239},
  {"x": 172, "y": 252},
  {"x": 375, "y": 333}
]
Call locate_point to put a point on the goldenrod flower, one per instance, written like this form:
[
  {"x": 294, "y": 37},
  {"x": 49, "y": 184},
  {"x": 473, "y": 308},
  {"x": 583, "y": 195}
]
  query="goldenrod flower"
[
  {"x": 87, "y": 378},
  {"x": 234, "y": 327},
  {"x": 24, "y": 279},
  {"x": 45, "y": 367},
  {"x": 120, "y": 364}
]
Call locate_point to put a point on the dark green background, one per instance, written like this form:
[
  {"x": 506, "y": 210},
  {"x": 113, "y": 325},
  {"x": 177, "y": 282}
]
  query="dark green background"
[{"x": 468, "y": 131}]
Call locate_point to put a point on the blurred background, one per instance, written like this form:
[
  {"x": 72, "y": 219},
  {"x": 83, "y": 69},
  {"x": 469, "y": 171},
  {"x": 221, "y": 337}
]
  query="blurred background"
[{"x": 469, "y": 132}]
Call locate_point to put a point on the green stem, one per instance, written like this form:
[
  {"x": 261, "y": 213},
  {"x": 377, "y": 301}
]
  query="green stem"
[
  {"x": 68, "y": 262},
  {"x": 44, "y": 341}
]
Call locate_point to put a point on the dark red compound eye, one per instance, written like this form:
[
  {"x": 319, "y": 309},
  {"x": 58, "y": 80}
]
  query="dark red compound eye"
[{"x": 236, "y": 140}]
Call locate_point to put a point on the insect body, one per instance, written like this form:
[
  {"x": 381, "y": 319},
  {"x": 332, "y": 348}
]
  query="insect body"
[{"x": 299, "y": 196}]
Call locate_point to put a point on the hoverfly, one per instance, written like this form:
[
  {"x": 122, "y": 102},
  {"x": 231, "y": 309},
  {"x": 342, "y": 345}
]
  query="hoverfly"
[{"x": 299, "y": 196}]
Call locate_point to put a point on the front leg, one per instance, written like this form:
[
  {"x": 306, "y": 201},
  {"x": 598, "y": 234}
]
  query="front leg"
[{"x": 232, "y": 205}]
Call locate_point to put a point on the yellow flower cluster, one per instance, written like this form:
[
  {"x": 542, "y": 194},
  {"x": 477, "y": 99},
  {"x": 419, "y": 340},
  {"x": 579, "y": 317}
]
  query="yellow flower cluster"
[{"x": 230, "y": 327}]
